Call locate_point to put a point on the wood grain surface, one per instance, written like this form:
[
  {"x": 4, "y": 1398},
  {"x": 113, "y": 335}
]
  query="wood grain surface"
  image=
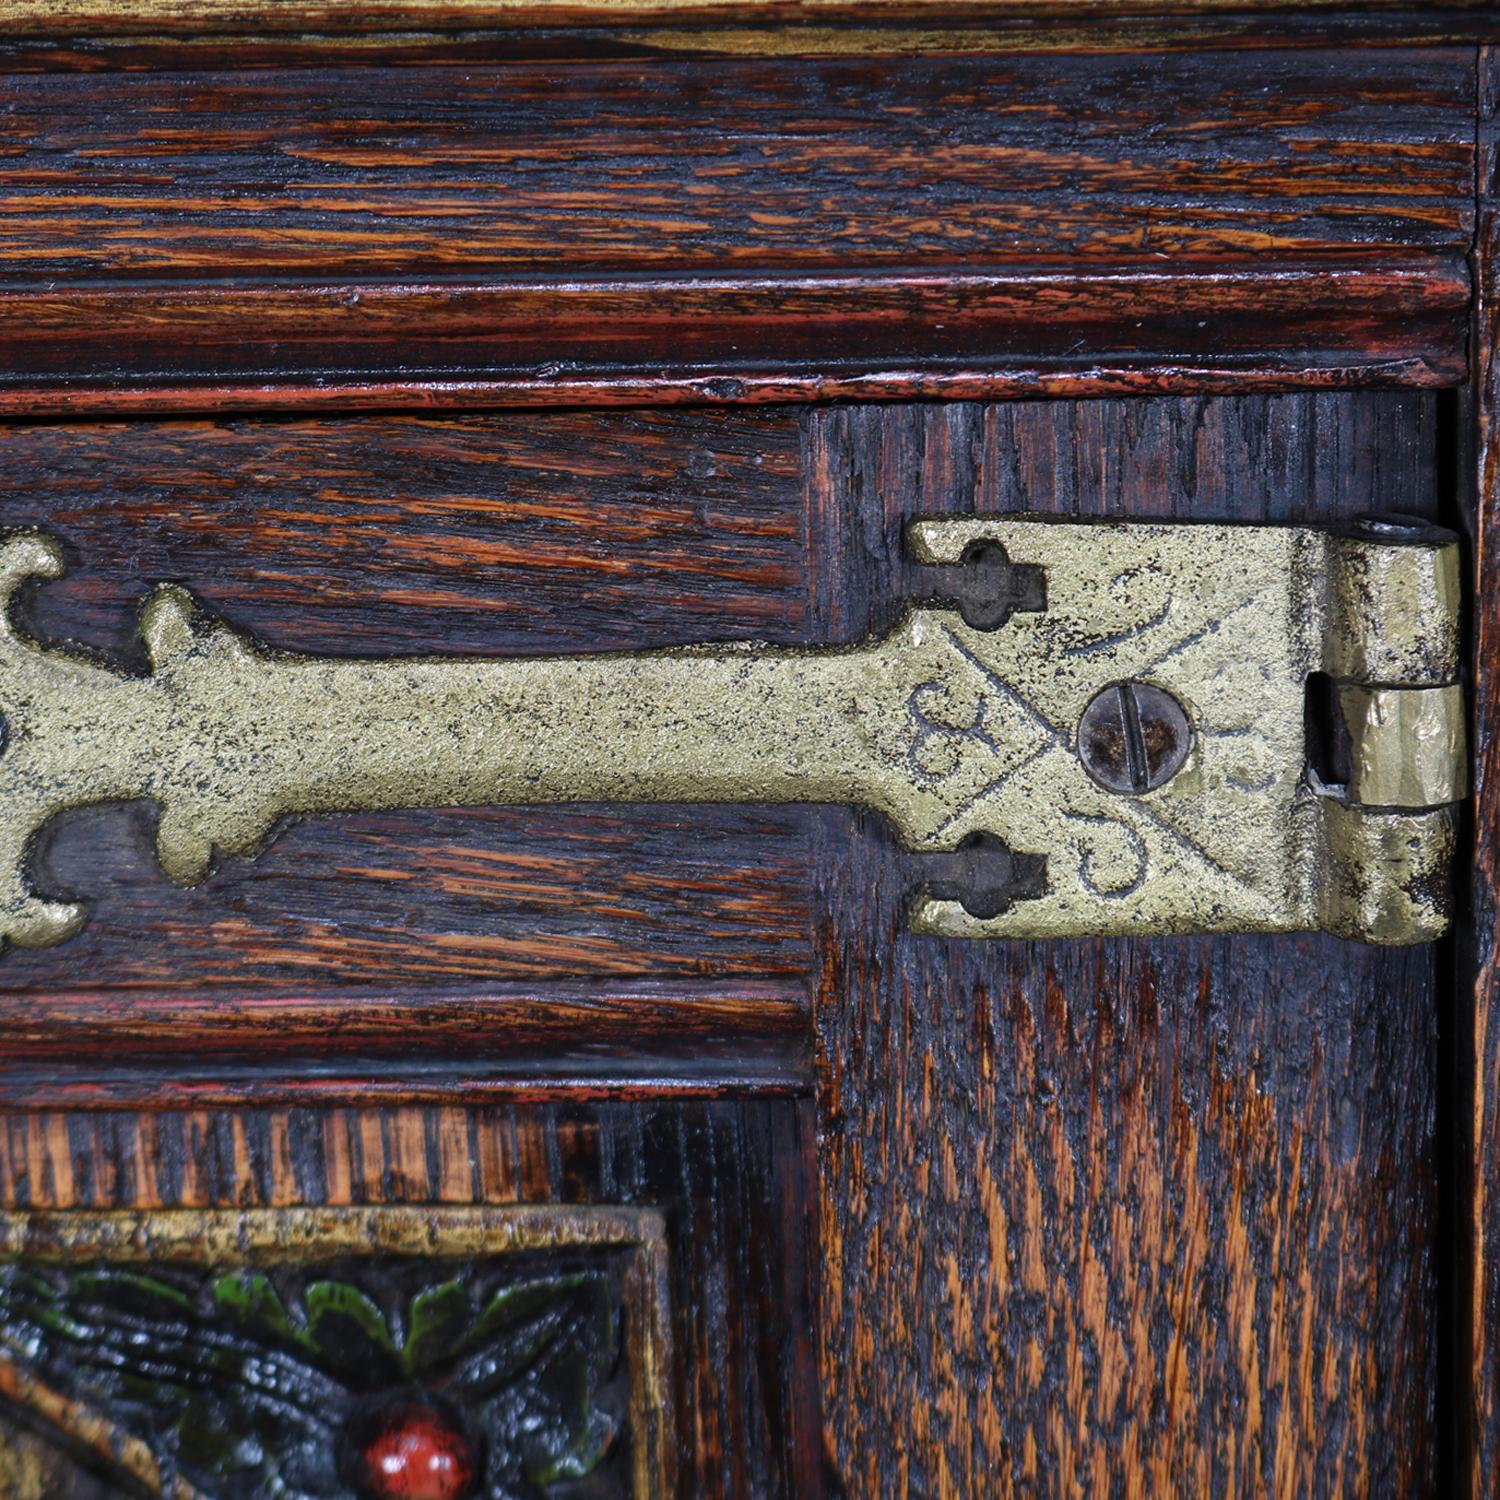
[
  {"x": 1144, "y": 1212},
  {"x": 85, "y": 16},
  {"x": 1136, "y": 1217},
  {"x": 689, "y": 227},
  {"x": 67, "y": 40},
  {"x": 539, "y": 944},
  {"x": 1476, "y": 1314},
  {"x": 735, "y": 164},
  {"x": 1148, "y": 1217},
  {"x": 732, "y": 1178},
  {"x": 149, "y": 349}
]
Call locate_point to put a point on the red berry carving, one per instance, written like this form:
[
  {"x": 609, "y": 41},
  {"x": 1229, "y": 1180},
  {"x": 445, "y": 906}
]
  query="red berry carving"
[{"x": 417, "y": 1454}]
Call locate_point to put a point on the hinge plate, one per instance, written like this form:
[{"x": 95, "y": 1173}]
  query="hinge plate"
[{"x": 1232, "y": 622}]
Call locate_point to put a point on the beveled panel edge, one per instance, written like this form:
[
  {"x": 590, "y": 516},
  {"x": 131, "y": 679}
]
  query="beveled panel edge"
[{"x": 126, "y": 1049}]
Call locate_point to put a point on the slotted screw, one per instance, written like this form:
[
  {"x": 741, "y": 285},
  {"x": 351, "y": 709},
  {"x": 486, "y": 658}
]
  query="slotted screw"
[{"x": 1133, "y": 737}]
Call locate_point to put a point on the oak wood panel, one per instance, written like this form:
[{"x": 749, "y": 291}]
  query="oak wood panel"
[
  {"x": 405, "y": 535},
  {"x": 729, "y": 164},
  {"x": 90, "y": 45},
  {"x": 685, "y": 227},
  {"x": 407, "y": 901},
  {"x": 1152, "y": 1214},
  {"x": 653, "y": 1039},
  {"x": 732, "y": 1179},
  {"x": 1135, "y": 1217},
  {"x": 1476, "y": 1311},
  {"x": 109, "y": 16},
  {"x": 151, "y": 349},
  {"x": 482, "y": 534}
]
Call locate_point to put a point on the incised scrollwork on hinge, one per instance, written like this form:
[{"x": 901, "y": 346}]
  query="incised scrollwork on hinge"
[{"x": 1135, "y": 732}]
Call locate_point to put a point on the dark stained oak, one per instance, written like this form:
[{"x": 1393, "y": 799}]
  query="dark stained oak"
[
  {"x": 1091, "y": 1209},
  {"x": 74, "y": 38},
  {"x": 732, "y": 165},
  {"x": 142, "y": 348},
  {"x": 484, "y": 535},
  {"x": 1475, "y": 1309},
  {"x": 1087, "y": 1209},
  {"x": 654, "y": 1039},
  {"x": 1127, "y": 1217},
  {"x": 84, "y": 18},
  {"x": 658, "y": 932},
  {"x": 1150, "y": 1217},
  {"x": 680, "y": 227}
]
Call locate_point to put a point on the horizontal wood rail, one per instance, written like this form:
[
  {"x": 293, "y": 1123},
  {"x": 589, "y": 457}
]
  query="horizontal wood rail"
[{"x": 612, "y": 341}]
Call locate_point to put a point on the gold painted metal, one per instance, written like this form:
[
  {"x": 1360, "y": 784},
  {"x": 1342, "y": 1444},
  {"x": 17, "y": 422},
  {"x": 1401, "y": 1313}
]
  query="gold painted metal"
[
  {"x": 1406, "y": 745},
  {"x": 944, "y": 729},
  {"x": 229, "y": 1239},
  {"x": 1231, "y": 621}
]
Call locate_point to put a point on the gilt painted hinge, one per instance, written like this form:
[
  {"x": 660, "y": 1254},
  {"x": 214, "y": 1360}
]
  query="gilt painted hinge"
[{"x": 1170, "y": 728}]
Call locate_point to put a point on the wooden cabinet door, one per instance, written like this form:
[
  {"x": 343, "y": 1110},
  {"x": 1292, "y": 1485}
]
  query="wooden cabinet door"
[{"x": 608, "y": 1150}]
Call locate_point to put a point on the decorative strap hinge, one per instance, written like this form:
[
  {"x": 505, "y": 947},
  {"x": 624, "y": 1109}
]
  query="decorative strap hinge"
[{"x": 1154, "y": 728}]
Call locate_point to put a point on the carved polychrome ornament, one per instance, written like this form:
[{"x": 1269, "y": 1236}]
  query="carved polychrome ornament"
[
  {"x": 414, "y": 1448},
  {"x": 381, "y": 1354}
]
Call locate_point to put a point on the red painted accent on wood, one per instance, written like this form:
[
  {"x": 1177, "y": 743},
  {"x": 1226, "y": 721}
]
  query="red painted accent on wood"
[
  {"x": 733, "y": 1177},
  {"x": 418, "y": 1455}
]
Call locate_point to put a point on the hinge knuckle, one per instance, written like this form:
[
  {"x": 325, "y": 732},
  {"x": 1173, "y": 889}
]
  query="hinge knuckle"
[
  {"x": 1387, "y": 876},
  {"x": 1392, "y": 645},
  {"x": 1393, "y": 610},
  {"x": 1407, "y": 746}
]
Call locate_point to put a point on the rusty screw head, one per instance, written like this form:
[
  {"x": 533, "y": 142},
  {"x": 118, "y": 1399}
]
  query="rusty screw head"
[{"x": 1133, "y": 737}]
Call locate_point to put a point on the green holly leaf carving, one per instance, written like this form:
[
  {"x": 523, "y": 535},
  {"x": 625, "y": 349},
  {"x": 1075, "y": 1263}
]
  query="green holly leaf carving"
[
  {"x": 517, "y": 1323},
  {"x": 132, "y": 1293},
  {"x": 435, "y": 1327},
  {"x": 246, "y": 1382},
  {"x": 580, "y": 1457},
  {"x": 249, "y": 1299},
  {"x": 350, "y": 1335}
]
